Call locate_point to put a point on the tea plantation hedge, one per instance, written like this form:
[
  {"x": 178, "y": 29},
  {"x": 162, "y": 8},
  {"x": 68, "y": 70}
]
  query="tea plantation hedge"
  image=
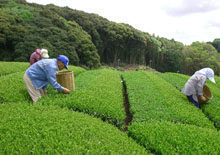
[
  {"x": 212, "y": 107},
  {"x": 12, "y": 67},
  {"x": 12, "y": 87},
  {"x": 37, "y": 129},
  {"x": 76, "y": 70},
  {"x": 98, "y": 92},
  {"x": 163, "y": 122},
  {"x": 152, "y": 98},
  {"x": 175, "y": 138}
]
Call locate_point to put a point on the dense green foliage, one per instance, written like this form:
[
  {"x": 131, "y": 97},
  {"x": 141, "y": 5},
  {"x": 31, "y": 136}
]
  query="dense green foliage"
[
  {"x": 200, "y": 55},
  {"x": 76, "y": 70},
  {"x": 170, "y": 138},
  {"x": 163, "y": 121},
  {"x": 90, "y": 40},
  {"x": 36, "y": 129},
  {"x": 98, "y": 92},
  {"x": 12, "y": 88},
  {"x": 12, "y": 67},
  {"x": 43, "y": 29},
  {"x": 216, "y": 44},
  {"x": 210, "y": 109},
  {"x": 152, "y": 98}
]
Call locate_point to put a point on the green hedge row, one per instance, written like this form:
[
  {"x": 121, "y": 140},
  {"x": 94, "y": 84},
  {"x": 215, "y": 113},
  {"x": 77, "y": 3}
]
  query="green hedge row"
[
  {"x": 152, "y": 98},
  {"x": 76, "y": 70},
  {"x": 12, "y": 67},
  {"x": 12, "y": 88},
  {"x": 177, "y": 80},
  {"x": 212, "y": 107},
  {"x": 170, "y": 138},
  {"x": 217, "y": 80},
  {"x": 98, "y": 92},
  {"x": 37, "y": 129}
]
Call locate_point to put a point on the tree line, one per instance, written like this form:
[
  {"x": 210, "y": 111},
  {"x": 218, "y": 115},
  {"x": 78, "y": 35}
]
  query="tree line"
[{"x": 90, "y": 40}]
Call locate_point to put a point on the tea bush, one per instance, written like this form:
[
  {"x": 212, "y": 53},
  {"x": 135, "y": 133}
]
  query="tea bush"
[
  {"x": 76, "y": 70},
  {"x": 98, "y": 92},
  {"x": 164, "y": 121},
  {"x": 175, "y": 79},
  {"x": 12, "y": 88},
  {"x": 12, "y": 67},
  {"x": 152, "y": 98},
  {"x": 37, "y": 129},
  {"x": 170, "y": 138},
  {"x": 212, "y": 107}
]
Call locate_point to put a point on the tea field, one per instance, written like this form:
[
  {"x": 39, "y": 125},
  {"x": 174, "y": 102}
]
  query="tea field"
[{"x": 110, "y": 112}]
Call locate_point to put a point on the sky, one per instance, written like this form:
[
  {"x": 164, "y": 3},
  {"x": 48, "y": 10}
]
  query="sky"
[{"x": 185, "y": 21}]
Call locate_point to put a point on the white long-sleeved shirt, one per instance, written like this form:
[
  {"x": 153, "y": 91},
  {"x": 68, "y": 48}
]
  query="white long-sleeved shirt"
[{"x": 194, "y": 86}]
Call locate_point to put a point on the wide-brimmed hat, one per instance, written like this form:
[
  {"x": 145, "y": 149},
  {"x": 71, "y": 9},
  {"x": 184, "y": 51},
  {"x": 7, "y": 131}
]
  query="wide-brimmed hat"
[{"x": 44, "y": 54}]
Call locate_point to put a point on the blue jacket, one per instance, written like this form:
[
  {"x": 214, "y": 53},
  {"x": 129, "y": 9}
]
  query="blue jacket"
[{"x": 43, "y": 72}]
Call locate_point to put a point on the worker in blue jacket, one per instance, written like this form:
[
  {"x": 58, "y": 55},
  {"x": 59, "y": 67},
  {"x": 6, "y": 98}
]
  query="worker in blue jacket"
[{"x": 38, "y": 75}]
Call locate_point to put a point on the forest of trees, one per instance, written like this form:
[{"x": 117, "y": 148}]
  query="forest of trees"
[{"x": 90, "y": 40}]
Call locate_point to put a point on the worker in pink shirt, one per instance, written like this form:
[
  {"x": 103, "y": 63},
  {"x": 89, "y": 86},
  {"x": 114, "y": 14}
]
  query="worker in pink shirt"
[
  {"x": 35, "y": 56},
  {"x": 38, "y": 55}
]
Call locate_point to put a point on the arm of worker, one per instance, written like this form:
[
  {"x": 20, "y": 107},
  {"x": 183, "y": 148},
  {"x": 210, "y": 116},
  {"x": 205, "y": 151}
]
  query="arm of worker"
[
  {"x": 32, "y": 60},
  {"x": 202, "y": 98},
  {"x": 66, "y": 91}
]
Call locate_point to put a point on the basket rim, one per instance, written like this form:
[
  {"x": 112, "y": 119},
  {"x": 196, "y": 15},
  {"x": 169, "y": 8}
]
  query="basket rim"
[{"x": 64, "y": 72}]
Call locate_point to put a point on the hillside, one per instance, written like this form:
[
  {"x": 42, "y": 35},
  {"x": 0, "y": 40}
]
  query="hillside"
[
  {"x": 91, "y": 41},
  {"x": 93, "y": 119}
]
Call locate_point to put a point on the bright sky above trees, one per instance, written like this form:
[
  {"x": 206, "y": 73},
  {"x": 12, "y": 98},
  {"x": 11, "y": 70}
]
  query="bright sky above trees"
[{"x": 182, "y": 20}]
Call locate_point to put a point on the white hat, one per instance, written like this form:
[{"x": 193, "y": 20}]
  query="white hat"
[
  {"x": 209, "y": 73},
  {"x": 212, "y": 79},
  {"x": 44, "y": 54}
]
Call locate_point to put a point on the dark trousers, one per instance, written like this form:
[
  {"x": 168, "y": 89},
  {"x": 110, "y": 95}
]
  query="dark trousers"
[{"x": 190, "y": 98}]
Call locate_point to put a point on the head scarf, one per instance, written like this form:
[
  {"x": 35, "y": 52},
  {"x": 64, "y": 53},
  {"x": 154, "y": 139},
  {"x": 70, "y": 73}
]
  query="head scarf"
[
  {"x": 38, "y": 51},
  {"x": 208, "y": 72}
]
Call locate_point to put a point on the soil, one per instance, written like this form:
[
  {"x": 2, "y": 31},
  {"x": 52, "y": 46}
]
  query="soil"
[
  {"x": 130, "y": 67},
  {"x": 128, "y": 118}
]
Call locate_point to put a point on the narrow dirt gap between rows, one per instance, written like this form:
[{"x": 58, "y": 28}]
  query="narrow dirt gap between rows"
[
  {"x": 128, "y": 118},
  {"x": 210, "y": 119}
]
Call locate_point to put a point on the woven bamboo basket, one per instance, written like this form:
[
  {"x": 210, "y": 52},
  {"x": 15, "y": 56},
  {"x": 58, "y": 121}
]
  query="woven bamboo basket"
[
  {"x": 207, "y": 94},
  {"x": 66, "y": 79}
]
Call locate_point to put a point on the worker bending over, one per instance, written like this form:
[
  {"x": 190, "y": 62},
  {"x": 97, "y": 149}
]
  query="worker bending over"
[
  {"x": 193, "y": 88},
  {"x": 38, "y": 75}
]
